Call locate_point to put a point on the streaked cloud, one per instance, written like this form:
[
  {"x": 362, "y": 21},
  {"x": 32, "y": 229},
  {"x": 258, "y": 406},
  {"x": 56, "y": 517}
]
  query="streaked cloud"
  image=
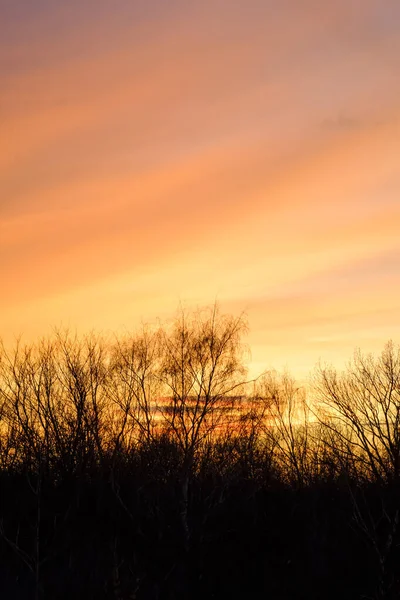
[{"x": 156, "y": 154}]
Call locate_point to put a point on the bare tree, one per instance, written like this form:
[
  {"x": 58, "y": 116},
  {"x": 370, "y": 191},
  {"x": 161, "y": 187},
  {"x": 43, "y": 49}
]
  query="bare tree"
[
  {"x": 359, "y": 413},
  {"x": 134, "y": 386},
  {"x": 286, "y": 422},
  {"x": 202, "y": 374},
  {"x": 361, "y": 407}
]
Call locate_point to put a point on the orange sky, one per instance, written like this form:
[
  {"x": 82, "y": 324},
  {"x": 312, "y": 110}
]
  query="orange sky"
[{"x": 156, "y": 152}]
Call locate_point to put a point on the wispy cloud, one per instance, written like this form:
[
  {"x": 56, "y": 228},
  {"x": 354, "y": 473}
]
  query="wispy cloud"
[{"x": 153, "y": 154}]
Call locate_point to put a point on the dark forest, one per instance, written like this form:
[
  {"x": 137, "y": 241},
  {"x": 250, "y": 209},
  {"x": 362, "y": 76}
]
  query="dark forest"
[{"x": 149, "y": 466}]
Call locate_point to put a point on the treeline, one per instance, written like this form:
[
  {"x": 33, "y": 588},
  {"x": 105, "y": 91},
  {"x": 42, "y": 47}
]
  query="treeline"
[{"x": 150, "y": 467}]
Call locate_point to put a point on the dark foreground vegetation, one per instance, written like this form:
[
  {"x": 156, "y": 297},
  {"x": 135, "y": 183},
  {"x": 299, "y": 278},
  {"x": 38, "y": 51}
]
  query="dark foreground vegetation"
[{"x": 148, "y": 468}]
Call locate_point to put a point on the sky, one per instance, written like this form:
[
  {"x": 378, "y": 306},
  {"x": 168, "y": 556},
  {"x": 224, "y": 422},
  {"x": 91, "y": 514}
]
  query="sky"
[{"x": 156, "y": 153}]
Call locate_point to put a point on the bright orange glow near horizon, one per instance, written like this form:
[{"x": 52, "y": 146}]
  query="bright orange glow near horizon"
[{"x": 156, "y": 153}]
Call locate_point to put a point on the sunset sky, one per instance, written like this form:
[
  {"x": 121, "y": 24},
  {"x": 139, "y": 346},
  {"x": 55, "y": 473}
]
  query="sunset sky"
[{"x": 156, "y": 152}]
